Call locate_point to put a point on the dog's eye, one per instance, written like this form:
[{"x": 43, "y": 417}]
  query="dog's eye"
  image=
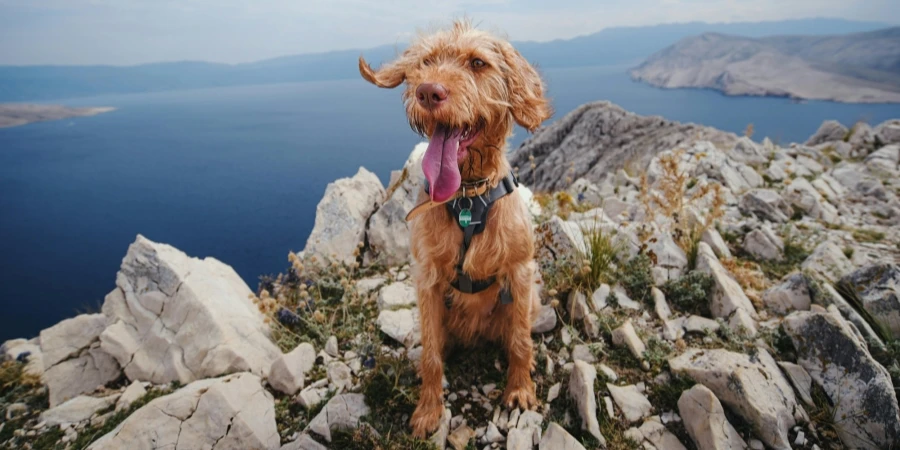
[
  {"x": 426, "y": 62},
  {"x": 477, "y": 63}
]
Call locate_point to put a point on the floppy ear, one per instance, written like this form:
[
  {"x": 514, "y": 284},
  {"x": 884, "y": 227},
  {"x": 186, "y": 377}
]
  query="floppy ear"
[
  {"x": 526, "y": 90},
  {"x": 390, "y": 75}
]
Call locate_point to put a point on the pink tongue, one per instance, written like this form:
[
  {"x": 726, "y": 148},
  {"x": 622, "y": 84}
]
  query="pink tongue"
[{"x": 440, "y": 163}]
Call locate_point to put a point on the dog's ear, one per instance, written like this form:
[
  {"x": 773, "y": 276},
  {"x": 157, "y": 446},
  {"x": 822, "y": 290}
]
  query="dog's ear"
[
  {"x": 526, "y": 90},
  {"x": 390, "y": 75}
]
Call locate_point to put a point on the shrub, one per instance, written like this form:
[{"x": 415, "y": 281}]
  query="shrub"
[{"x": 690, "y": 293}]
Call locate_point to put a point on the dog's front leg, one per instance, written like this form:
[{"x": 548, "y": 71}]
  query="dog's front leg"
[
  {"x": 517, "y": 340},
  {"x": 431, "y": 366}
]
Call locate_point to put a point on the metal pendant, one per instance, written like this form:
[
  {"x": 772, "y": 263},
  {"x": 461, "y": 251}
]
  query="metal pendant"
[{"x": 465, "y": 217}]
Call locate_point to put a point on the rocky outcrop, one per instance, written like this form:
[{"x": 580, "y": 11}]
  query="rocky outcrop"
[
  {"x": 388, "y": 231},
  {"x": 859, "y": 388},
  {"x": 597, "y": 139},
  {"x": 232, "y": 412},
  {"x": 342, "y": 215},
  {"x": 878, "y": 289},
  {"x": 176, "y": 318},
  {"x": 74, "y": 362}
]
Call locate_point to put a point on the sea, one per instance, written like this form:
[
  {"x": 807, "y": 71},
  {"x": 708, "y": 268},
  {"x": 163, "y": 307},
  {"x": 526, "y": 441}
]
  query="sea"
[{"x": 236, "y": 173}]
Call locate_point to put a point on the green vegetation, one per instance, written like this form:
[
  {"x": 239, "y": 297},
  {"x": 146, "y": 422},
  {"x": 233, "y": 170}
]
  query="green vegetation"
[
  {"x": 690, "y": 293},
  {"x": 864, "y": 235},
  {"x": 635, "y": 276},
  {"x": 604, "y": 249}
]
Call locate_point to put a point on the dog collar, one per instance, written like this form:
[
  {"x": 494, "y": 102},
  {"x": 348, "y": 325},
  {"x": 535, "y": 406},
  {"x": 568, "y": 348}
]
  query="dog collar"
[{"x": 470, "y": 190}]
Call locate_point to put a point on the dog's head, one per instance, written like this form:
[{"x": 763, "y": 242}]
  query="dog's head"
[{"x": 464, "y": 87}]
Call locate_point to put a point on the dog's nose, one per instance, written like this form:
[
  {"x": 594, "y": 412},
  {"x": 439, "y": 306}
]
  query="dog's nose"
[{"x": 431, "y": 95}]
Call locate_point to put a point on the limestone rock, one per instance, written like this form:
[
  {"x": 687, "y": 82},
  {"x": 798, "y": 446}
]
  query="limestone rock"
[
  {"x": 396, "y": 295},
  {"x": 705, "y": 421},
  {"x": 751, "y": 386},
  {"x": 342, "y": 412},
  {"x": 388, "y": 232},
  {"x": 557, "y": 438},
  {"x": 339, "y": 375},
  {"x": 633, "y": 404},
  {"x": 655, "y": 433},
  {"x": 74, "y": 363},
  {"x": 828, "y": 261},
  {"x": 857, "y": 385},
  {"x": 764, "y": 244},
  {"x": 727, "y": 295},
  {"x": 791, "y": 295},
  {"x": 803, "y": 196},
  {"x": 402, "y": 325},
  {"x": 830, "y": 130},
  {"x": 176, "y": 318},
  {"x": 749, "y": 152},
  {"x": 545, "y": 320},
  {"x": 878, "y": 288},
  {"x": 888, "y": 131},
  {"x": 559, "y": 242},
  {"x": 800, "y": 379},
  {"x": 625, "y": 336},
  {"x": 341, "y": 217},
  {"x": 460, "y": 437},
  {"x": 78, "y": 409},
  {"x": 232, "y": 412},
  {"x": 581, "y": 390},
  {"x": 439, "y": 438},
  {"x": 714, "y": 240},
  {"x": 132, "y": 393},
  {"x": 288, "y": 371},
  {"x": 24, "y": 350},
  {"x": 766, "y": 204},
  {"x": 304, "y": 442}
]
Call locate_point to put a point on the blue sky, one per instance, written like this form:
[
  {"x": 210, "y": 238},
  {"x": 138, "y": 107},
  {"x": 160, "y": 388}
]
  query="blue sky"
[{"x": 139, "y": 31}]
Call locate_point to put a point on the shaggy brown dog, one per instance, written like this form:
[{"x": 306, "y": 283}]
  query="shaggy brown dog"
[{"x": 464, "y": 89}]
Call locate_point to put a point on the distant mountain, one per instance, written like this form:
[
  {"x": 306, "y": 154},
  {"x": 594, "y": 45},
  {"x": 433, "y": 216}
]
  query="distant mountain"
[
  {"x": 625, "y": 45},
  {"x": 857, "y": 68}
]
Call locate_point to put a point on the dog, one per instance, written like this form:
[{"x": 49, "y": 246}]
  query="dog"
[{"x": 465, "y": 88}]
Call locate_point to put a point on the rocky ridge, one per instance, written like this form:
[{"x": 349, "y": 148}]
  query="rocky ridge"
[{"x": 739, "y": 295}]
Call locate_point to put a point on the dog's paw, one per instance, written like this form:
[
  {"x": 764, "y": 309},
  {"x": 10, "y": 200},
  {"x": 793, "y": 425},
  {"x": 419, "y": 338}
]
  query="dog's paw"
[
  {"x": 426, "y": 419},
  {"x": 521, "y": 395}
]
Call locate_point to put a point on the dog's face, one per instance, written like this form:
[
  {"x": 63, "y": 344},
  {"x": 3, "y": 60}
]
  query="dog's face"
[{"x": 464, "y": 87}]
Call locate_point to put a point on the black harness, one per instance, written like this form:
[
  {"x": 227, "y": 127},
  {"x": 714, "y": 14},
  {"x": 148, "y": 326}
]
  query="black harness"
[{"x": 478, "y": 207}]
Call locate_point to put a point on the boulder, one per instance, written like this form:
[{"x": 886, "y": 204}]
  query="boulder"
[
  {"x": 791, "y": 295},
  {"x": 633, "y": 404},
  {"x": 557, "y": 438},
  {"x": 714, "y": 240},
  {"x": 727, "y": 295},
  {"x": 750, "y": 385},
  {"x": 764, "y": 244},
  {"x": 545, "y": 320},
  {"x": 828, "y": 262},
  {"x": 581, "y": 390},
  {"x": 132, "y": 393},
  {"x": 388, "y": 232},
  {"x": 176, "y": 318},
  {"x": 341, "y": 217},
  {"x": 884, "y": 160},
  {"x": 888, "y": 132},
  {"x": 288, "y": 371},
  {"x": 559, "y": 243},
  {"x": 749, "y": 152},
  {"x": 878, "y": 289},
  {"x": 402, "y": 325},
  {"x": 343, "y": 412},
  {"x": 625, "y": 336},
  {"x": 705, "y": 421},
  {"x": 803, "y": 196},
  {"x": 78, "y": 409},
  {"x": 73, "y": 362},
  {"x": 859, "y": 388},
  {"x": 830, "y": 130},
  {"x": 232, "y": 412},
  {"x": 800, "y": 379},
  {"x": 396, "y": 295},
  {"x": 766, "y": 204},
  {"x": 28, "y": 351}
]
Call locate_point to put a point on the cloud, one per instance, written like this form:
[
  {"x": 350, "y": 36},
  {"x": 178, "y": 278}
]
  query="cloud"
[{"x": 138, "y": 31}]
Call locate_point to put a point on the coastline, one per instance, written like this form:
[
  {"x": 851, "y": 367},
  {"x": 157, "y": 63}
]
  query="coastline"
[{"x": 17, "y": 114}]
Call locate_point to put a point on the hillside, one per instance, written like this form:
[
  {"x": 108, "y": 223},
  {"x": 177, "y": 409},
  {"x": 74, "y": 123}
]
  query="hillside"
[
  {"x": 726, "y": 295},
  {"x": 856, "y": 68},
  {"x": 622, "y": 45}
]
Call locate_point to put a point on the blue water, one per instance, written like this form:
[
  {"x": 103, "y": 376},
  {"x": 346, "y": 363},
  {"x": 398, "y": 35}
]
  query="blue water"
[{"x": 236, "y": 173}]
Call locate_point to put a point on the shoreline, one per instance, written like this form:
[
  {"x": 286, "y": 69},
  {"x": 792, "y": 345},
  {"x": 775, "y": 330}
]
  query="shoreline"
[{"x": 18, "y": 114}]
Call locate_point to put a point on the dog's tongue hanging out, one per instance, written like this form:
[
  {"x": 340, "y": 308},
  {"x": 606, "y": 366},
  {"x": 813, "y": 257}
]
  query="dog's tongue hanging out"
[{"x": 441, "y": 163}]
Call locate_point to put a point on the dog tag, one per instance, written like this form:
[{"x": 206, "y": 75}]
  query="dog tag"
[{"x": 465, "y": 217}]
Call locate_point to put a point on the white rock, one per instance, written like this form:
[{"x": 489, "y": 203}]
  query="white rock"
[
  {"x": 828, "y": 261},
  {"x": 791, "y": 295},
  {"x": 670, "y": 258},
  {"x": 557, "y": 438},
  {"x": 388, "y": 232},
  {"x": 460, "y": 437},
  {"x": 727, "y": 295},
  {"x": 176, "y": 318},
  {"x": 878, "y": 289},
  {"x": 800, "y": 379},
  {"x": 545, "y": 320},
  {"x": 74, "y": 363},
  {"x": 24, "y": 350},
  {"x": 492, "y": 434},
  {"x": 342, "y": 412},
  {"x": 624, "y": 300},
  {"x": 331, "y": 347},
  {"x": 633, "y": 404},
  {"x": 582, "y": 352},
  {"x": 577, "y": 304},
  {"x": 401, "y": 325},
  {"x": 598, "y": 298},
  {"x": 309, "y": 398},
  {"x": 764, "y": 244},
  {"x": 654, "y": 432},
  {"x": 341, "y": 217},
  {"x": 396, "y": 295},
  {"x": 304, "y": 442},
  {"x": 557, "y": 239},
  {"x": 608, "y": 372},
  {"x": 625, "y": 336},
  {"x": 368, "y": 285},
  {"x": 288, "y": 371},
  {"x": 713, "y": 239},
  {"x": 232, "y": 412},
  {"x": 859, "y": 388},
  {"x": 660, "y": 306},
  {"x": 766, "y": 204},
  {"x": 581, "y": 390},
  {"x": 340, "y": 375},
  {"x": 78, "y": 409},
  {"x": 132, "y": 393},
  {"x": 751, "y": 386},
  {"x": 519, "y": 439},
  {"x": 439, "y": 438},
  {"x": 741, "y": 323},
  {"x": 705, "y": 421},
  {"x": 699, "y": 324},
  {"x": 830, "y": 130},
  {"x": 802, "y": 195}
]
